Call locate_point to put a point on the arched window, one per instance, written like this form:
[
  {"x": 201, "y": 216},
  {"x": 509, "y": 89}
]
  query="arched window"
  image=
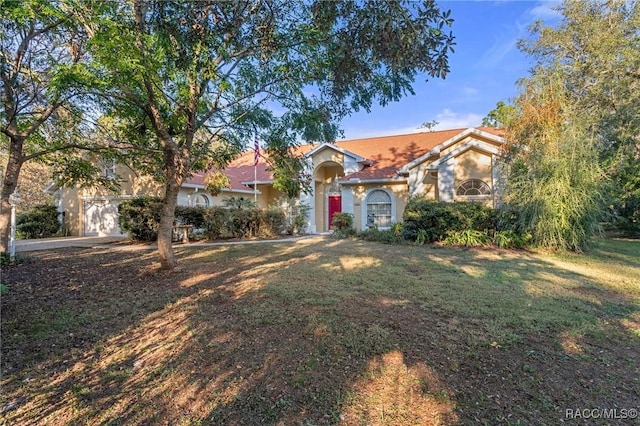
[
  {"x": 201, "y": 201},
  {"x": 473, "y": 187},
  {"x": 379, "y": 209}
]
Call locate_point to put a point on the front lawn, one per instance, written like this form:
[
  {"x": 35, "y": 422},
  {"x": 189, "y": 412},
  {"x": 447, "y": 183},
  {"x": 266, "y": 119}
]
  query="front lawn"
[{"x": 321, "y": 331}]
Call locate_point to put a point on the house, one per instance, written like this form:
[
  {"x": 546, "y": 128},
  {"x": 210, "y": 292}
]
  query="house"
[{"x": 371, "y": 178}]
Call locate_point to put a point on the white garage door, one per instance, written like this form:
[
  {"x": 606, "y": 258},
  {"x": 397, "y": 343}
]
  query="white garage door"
[{"x": 101, "y": 218}]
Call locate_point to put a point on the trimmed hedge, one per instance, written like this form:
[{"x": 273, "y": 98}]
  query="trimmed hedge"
[
  {"x": 433, "y": 221},
  {"x": 139, "y": 218},
  {"x": 38, "y": 222}
]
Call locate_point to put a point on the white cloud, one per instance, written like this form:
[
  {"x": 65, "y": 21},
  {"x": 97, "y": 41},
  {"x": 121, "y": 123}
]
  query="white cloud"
[
  {"x": 470, "y": 91},
  {"x": 545, "y": 11},
  {"x": 449, "y": 119},
  {"x": 507, "y": 40}
]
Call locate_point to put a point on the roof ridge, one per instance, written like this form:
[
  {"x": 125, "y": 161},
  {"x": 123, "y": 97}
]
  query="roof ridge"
[{"x": 407, "y": 134}]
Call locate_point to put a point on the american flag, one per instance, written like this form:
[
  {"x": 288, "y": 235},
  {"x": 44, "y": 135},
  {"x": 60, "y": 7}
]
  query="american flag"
[{"x": 256, "y": 150}]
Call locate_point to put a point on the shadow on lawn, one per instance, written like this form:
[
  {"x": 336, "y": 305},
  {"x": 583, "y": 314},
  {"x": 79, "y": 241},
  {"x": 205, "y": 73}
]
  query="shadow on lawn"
[{"x": 319, "y": 332}]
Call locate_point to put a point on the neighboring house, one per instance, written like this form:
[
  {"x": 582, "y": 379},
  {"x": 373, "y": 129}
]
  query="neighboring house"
[{"x": 371, "y": 178}]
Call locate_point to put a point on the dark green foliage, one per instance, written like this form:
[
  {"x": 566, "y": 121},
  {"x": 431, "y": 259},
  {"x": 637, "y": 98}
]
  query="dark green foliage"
[
  {"x": 468, "y": 238},
  {"x": 139, "y": 217},
  {"x": 220, "y": 222},
  {"x": 235, "y": 203},
  {"x": 342, "y": 221},
  {"x": 274, "y": 222},
  {"x": 343, "y": 225},
  {"x": 436, "y": 219},
  {"x": 387, "y": 236},
  {"x": 216, "y": 222},
  {"x": 628, "y": 216},
  {"x": 512, "y": 239},
  {"x": 298, "y": 219},
  {"x": 191, "y": 215},
  {"x": 244, "y": 223},
  {"x": 38, "y": 222}
]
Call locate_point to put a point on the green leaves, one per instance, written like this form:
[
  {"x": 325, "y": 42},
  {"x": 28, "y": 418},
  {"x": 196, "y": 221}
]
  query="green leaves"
[{"x": 577, "y": 120}]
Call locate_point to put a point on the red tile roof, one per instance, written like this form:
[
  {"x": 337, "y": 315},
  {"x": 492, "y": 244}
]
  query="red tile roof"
[{"x": 387, "y": 154}]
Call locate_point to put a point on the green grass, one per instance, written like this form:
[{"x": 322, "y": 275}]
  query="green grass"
[{"x": 322, "y": 332}]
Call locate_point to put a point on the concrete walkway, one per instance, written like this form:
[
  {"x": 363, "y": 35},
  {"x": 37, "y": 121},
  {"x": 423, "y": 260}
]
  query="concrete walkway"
[
  {"x": 108, "y": 242},
  {"x": 62, "y": 242}
]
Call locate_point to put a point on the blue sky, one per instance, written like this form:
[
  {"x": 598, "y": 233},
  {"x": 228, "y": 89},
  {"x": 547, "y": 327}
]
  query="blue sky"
[{"x": 484, "y": 70}]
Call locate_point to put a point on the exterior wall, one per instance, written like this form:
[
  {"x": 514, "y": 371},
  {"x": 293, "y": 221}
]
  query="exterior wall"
[
  {"x": 399, "y": 192},
  {"x": 131, "y": 185},
  {"x": 268, "y": 195},
  {"x": 323, "y": 176},
  {"x": 187, "y": 196},
  {"x": 472, "y": 164},
  {"x": 328, "y": 155},
  {"x": 423, "y": 182}
]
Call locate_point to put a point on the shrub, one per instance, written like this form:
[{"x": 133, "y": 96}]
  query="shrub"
[
  {"x": 512, "y": 239},
  {"x": 216, "y": 220},
  {"x": 38, "y": 222},
  {"x": 139, "y": 218},
  {"x": 342, "y": 221},
  {"x": 468, "y": 238},
  {"x": 191, "y": 215},
  {"x": 397, "y": 229},
  {"x": 386, "y": 237},
  {"x": 298, "y": 219},
  {"x": 437, "y": 219},
  {"x": 343, "y": 225},
  {"x": 273, "y": 222},
  {"x": 244, "y": 223}
]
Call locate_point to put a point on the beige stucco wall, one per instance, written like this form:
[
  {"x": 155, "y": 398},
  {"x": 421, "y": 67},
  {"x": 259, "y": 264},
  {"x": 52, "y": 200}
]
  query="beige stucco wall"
[
  {"x": 326, "y": 155},
  {"x": 324, "y": 174},
  {"x": 472, "y": 164},
  {"x": 399, "y": 191},
  {"x": 131, "y": 185},
  {"x": 423, "y": 182}
]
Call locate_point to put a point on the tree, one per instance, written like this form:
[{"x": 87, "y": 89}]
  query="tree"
[
  {"x": 596, "y": 48},
  {"x": 554, "y": 180},
  {"x": 39, "y": 48},
  {"x": 188, "y": 83},
  {"x": 500, "y": 116}
]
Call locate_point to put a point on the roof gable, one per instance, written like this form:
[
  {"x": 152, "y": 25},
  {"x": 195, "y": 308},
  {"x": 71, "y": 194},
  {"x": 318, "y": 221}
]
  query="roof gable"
[
  {"x": 483, "y": 133},
  {"x": 334, "y": 147},
  {"x": 474, "y": 144}
]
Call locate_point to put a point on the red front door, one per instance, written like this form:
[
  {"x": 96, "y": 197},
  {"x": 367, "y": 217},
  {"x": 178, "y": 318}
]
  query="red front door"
[{"x": 335, "y": 206}]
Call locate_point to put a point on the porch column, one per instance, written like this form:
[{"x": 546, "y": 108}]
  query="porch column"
[
  {"x": 310, "y": 200},
  {"x": 446, "y": 180}
]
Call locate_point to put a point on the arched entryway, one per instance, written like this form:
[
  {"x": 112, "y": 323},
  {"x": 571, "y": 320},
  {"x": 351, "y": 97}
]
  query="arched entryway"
[{"x": 328, "y": 196}]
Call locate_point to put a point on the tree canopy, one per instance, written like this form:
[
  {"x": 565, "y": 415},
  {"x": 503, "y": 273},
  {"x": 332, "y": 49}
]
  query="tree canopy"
[
  {"x": 574, "y": 138},
  {"x": 188, "y": 84}
]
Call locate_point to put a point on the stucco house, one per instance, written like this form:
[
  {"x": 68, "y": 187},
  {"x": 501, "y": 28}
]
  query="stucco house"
[{"x": 371, "y": 178}]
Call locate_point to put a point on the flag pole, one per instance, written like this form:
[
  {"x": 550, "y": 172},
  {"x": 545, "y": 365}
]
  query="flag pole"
[{"x": 256, "y": 157}]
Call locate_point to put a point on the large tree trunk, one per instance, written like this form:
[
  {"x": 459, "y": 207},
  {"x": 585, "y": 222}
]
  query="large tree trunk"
[
  {"x": 11, "y": 174},
  {"x": 165, "y": 227},
  {"x": 174, "y": 171}
]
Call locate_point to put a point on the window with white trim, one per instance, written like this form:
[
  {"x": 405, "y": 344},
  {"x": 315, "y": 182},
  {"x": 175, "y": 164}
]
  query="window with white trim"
[
  {"x": 201, "y": 201},
  {"x": 379, "y": 209},
  {"x": 109, "y": 168},
  {"x": 473, "y": 188}
]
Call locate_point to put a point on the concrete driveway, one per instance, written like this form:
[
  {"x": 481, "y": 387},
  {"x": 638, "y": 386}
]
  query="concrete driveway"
[{"x": 54, "y": 243}]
